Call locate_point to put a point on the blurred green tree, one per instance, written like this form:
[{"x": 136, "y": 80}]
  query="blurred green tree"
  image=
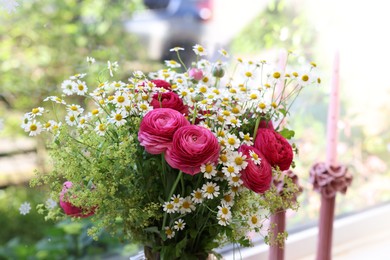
[{"x": 42, "y": 41}]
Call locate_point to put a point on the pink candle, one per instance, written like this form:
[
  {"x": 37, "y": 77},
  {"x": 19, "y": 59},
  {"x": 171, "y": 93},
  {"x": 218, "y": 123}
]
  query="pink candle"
[{"x": 333, "y": 115}]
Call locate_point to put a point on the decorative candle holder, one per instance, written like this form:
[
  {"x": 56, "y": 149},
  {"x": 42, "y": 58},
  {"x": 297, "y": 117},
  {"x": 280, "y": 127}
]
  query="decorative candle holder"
[{"x": 328, "y": 180}]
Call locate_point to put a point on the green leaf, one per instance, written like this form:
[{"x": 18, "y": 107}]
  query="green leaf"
[{"x": 287, "y": 133}]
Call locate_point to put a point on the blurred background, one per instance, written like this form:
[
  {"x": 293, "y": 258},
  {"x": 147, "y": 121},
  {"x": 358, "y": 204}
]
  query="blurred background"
[{"x": 43, "y": 42}]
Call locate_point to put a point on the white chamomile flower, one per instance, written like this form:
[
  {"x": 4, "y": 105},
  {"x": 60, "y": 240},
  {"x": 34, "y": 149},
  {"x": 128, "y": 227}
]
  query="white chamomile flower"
[
  {"x": 254, "y": 221},
  {"x": 197, "y": 196},
  {"x": 210, "y": 190},
  {"x": 74, "y": 109},
  {"x": 25, "y": 208},
  {"x": 224, "y": 53},
  {"x": 91, "y": 60},
  {"x": 33, "y": 127},
  {"x": 118, "y": 117},
  {"x": 186, "y": 205},
  {"x": 78, "y": 76},
  {"x": 82, "y": 122},
  {"x": 230, "y": 169},
  {"x": 169, "y": 207},
  {"x": 246, "y": 138},
  {"x": 37, "y": 111},
  {"x": 172, "y": 64},
  {"x": 223, "y": 221},
  {"x": 235, "y": 180},
  {"x": 121, "y": 99},
  {"x": 176, "y": 49},
  {"x": 224, "y": 211},
  {"x": 199, "y": 50},
  {"x": 262, "y": 107},
  {"x": 177, "y": 200},
  {"x": 112, "y": 67},
  {"x": 209, "y": 170},
  {"x": 179, "y": 224},
  {"x": 100, "y": 128},
  {"x": 138, "y": 74},
  {"x": 169, "y": 232},
  {"x": 50, "y": 203},
  {"x": 70, "y": 119},
  {"x": 232, "y": 141},
  {"x": 228, "y": 199},
  {"x": 55, "y": 99},
  {"x": 81, "y": 88},
  {"x": 239, "y": 160},
  {"x": 254, "y": 157},
  {"x": 68, "y": 87}
]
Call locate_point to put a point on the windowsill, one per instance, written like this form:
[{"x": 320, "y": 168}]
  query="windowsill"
[{"x": 359, "y": 236}]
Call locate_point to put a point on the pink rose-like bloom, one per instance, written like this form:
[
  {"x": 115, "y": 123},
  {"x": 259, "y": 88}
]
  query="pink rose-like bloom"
[
  {"x": 158, "y": 127},
  {"x": 169, "y": 100},
  {"x": 256, "y": 177},
  {"x": 69, "y": 208},
  {"x": 274, "y": 147},
  {"x": 192, "y": 146},
  {"x": 162, "y": 84},
  {"x": 195, "y": 73}
]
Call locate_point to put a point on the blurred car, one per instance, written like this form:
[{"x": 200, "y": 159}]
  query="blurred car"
[{"x": 165, "y": 24}]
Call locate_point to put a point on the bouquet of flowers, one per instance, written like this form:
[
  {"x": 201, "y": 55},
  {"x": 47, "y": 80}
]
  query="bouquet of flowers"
[{"x": 181, "y": 160}]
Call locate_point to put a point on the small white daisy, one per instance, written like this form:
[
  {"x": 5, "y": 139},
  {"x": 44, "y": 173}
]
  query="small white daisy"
[
  {"x": 25, "y": 208},
  {"x": 210, "y": 190},
  {"x": 186, "y": 205},
  {"x": 55, "y": 99},
  {"x": 209, "y": 170},
  {"x": 169, "y": 232},
  {"x": 172, "y": 64},
  {"x": 228, "y": 199},
  {"x": 91, "y": 60},
  {"x": 169, "y": 207},
  {"x": 81, "y": 88},
  {"x": 197, "y": 196},
  {"x": 254, "y": 221},
  {"x": 255, "y": 157},
  {"x": 68, "y": 87},
  {"x": 177, "y": 201},
  {"x": 199, "y": 50},
  {"x": 176, "y": 49},
  {"x": 37, "y": 111},
  {"x": 224, "y": 211},
  {"x": 246, "y": 138},
  {"x": 224, "y": 53},
  {"x": 179, "y": 224},
  {"x": 100, "y": 128},
  {"x": 33, "y": 127},
  {"x": 74, "y": 109},
  {"x": 223, "y": 221},
  {"x": 70, "y": 119},
  {"x": 118, "y": 117}
]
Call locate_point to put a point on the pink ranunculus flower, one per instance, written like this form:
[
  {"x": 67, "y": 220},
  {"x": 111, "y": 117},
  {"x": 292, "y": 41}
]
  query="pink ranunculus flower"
[
  {"x": 195, "y": 73},
  {"x": 160, "y": 83},
  {"x": 69, "y": 208},
  {"x": 192, "y": 146},
  {"x": 169, "y": 100},
  {"x": 158, "y": 127},
  {"x": 256, "y": 177},
  {"x": 274, "y": 147}
]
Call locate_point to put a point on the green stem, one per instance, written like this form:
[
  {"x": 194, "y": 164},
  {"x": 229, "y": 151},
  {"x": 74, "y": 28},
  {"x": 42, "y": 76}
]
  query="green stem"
[
  {"x": 179, "y": 176},
  {"x": 256, "y": 127}
]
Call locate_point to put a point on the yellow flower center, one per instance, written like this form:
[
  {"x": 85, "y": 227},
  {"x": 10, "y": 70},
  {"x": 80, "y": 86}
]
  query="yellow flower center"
[
  {"x": 186, "y": 204},
  {"x": 235, "y": 179},
  {"x": 95, "y": 112},
  {"x": 170, "y": 206},
  {"x": 248, "y": 74},
  {"x": 225, "y": 211},
  {"x": 35, "y": 110},
  {"x": 198, "y": 195},
  {"x": 73, "y": 108},
  {"x": 238, "y": 160},
  {"x": 226, "y": 113},
  {"x": 253, "y": 96},
  {"x": 203, "y": 89},
  {"x": 274, "y": 105},
  {"x": 295, "y": 74},
  {"x": 223, "y": 158},
  {"x": 102, "y": 127},
  {"x": 209, "y": 168},
  {"x": 47, "y": 125},
  {"x": 262, "y": 106},
  {"x": 231, "y": 141},
  {"x": 210, "y": 189},
  {"x": 276, "y": 75},
  {"x": 33, "y": 127},
  {"x": 120, "y": 99},
  {"x": 80, "y": 87},
  {"x": 305, "y": 78},
  {"x": 227, "y": 198},
  {"x": 118, "y": 117}
]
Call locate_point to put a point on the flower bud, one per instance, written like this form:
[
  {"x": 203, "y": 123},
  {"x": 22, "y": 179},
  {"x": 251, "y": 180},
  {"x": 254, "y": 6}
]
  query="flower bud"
[
  {"x": 195, "y": 74},
  {"x": 218, "y": 71}
]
